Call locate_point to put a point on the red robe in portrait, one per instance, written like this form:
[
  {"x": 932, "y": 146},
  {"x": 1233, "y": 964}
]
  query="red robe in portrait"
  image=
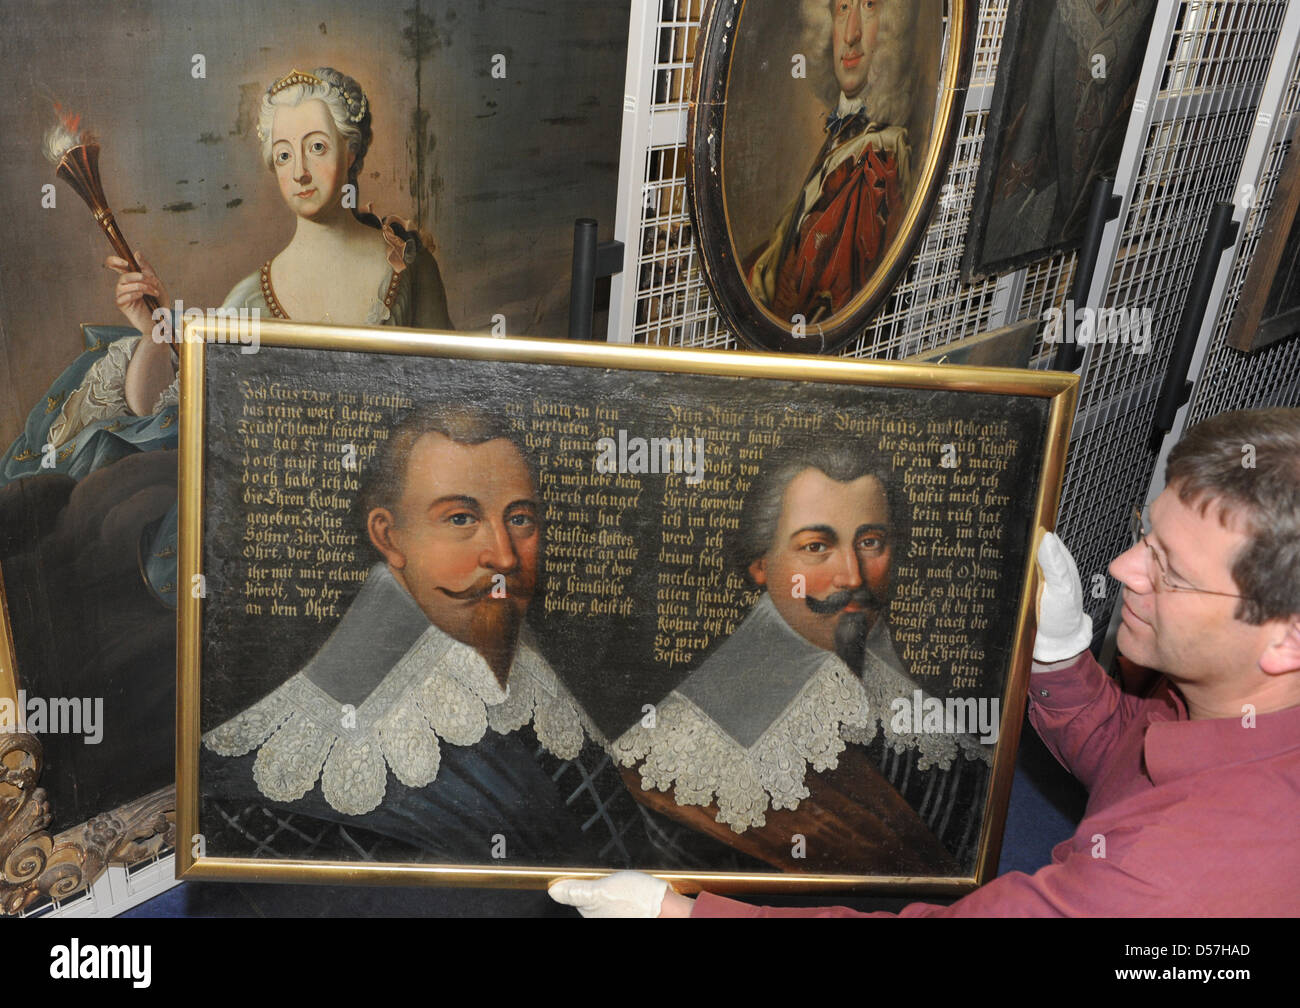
[{"x": 834, "y": 235}]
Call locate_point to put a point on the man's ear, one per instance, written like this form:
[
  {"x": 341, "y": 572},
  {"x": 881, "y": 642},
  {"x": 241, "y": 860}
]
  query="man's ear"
[
  {"x": 380, "y": 525},
  {"x": 758, "y": 571},
  {"x": 1283, "y": 655}
]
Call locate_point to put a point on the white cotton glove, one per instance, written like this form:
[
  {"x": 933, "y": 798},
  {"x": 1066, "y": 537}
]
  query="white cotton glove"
[
  {"x": 1064, "y": 629},
  {"x": 623, "y": 894}
]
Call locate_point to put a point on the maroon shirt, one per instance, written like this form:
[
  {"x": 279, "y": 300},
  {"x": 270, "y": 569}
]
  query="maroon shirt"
[{"x": 1199, "y": 818}]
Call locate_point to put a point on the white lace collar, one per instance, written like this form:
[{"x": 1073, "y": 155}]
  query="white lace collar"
[
  {"x": 439, "y": 691},
  {"x": 686, "y": 749}
]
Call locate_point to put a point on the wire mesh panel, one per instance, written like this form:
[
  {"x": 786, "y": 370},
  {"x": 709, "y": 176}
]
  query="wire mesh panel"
[
  {"x": 988, "y": 43},
  {"x": 679, "y": 25},
  {"x": 1047, "y": 285},
  {"x": 1229, "y": 378},
  {"x": 673, "y": 304},
  {"x": 1202, "y": 114}
]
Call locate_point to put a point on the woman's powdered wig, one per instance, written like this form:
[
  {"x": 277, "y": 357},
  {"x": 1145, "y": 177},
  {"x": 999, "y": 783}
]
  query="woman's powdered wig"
[{"x": 347, "y": 105}]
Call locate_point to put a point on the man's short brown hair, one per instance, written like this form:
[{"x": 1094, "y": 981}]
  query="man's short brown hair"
[
  {"x": 466, "y": 425},
  {"x": 1247, "y": 464},
  {"x": 842, "y": 461}
]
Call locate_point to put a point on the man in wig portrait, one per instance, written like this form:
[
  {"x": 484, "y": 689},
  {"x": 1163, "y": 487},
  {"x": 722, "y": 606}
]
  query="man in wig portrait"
[{"x": 836, "y": 230}]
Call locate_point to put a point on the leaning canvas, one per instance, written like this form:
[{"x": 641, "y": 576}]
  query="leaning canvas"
[{"x": 458, "y": 609}]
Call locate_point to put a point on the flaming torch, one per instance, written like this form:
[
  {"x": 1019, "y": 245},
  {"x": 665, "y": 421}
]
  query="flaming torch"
[{"x": 75, "y": 153}]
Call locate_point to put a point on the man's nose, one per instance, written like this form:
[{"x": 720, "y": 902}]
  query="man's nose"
[
  {"x": 853, "y": 26},
  {"x": 499, "y": 549},
  {"x": 849, "y": 572},
  {"x": 1132, "y": 569}
]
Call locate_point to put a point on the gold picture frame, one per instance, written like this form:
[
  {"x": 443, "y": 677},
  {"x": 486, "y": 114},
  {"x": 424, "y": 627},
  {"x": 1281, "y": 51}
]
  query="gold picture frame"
[{"x": 611, "y": 642}]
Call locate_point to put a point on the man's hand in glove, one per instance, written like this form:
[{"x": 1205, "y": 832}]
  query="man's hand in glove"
[
  {"x": 1064, "y": 629},
  {"x": 623, "y": 894}
]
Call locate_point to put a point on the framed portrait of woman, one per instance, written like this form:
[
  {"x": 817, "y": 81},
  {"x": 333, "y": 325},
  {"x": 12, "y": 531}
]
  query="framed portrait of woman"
[{"x": 818, "y": 139}]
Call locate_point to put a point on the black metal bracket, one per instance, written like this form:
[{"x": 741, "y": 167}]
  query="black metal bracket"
[
  {"x": 591, "y": 260},
  {"x": 1176, "y": 390},
  {"x": 1104, "y": 208}
]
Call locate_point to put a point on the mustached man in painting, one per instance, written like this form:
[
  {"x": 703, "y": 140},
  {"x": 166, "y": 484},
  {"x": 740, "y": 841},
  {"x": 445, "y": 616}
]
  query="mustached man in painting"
[
  {"x": 811, "y": 671},
  {"x": 431, "y": 674},
  {"x": 833, "y": 235}
]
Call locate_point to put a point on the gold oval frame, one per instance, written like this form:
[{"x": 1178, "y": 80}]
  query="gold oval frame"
[{"x": 752, "y": 322}]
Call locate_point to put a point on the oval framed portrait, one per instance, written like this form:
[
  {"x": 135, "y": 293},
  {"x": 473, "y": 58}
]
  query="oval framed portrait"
[{"x": 818, "y": 138}]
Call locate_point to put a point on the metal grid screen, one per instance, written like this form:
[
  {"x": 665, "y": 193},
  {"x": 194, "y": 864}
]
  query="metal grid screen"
[
  {"x": 1231, "y": 379},
  {"x": 673, "y": 305}
]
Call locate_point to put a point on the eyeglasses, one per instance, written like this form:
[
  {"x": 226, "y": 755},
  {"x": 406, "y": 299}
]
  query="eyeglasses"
[{"x": 1140, "y": 531}]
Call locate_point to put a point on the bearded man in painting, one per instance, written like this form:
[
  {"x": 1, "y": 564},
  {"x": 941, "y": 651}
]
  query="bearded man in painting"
[{"x": 422, "y": 716}]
